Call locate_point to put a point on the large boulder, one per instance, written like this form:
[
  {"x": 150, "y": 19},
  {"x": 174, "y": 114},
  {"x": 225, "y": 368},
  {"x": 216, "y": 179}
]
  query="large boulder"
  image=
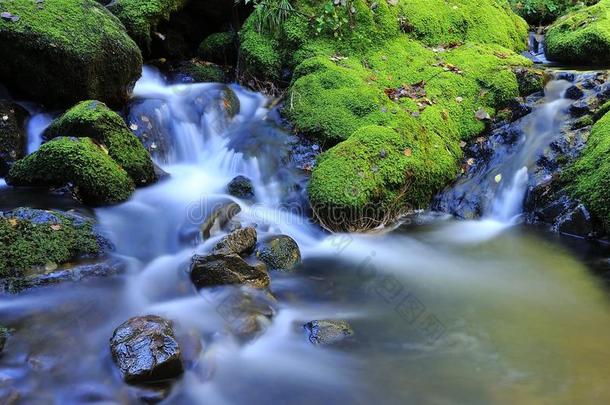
[
  {"x": 32, "y": 238},
  {"x": 544, "y": 12},
  {"x": 145, "y": 350},
  {"x": 226, "y": 269},
  {"x": 62, "y": 51},
  {"x": 95, "y": 178},
  {"x": 240, "y": 241},
  {"x": 241, "y": 187},
  {"x": 95, "y": 120},
  {"x": 581, "y": 37},
  {"x": 12, "y": 135}
]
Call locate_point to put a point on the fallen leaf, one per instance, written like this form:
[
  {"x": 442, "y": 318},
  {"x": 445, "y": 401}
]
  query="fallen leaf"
[
  {"x": 56, "y": 227},
  {"x": 498, "y": 178},
  {"x": 12, "y": 221},
  {"x": 408, "y": 152}
]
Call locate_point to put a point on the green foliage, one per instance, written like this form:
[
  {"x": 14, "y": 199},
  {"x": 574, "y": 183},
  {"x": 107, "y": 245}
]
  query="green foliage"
[
  {"x": 270, "y": 15},
  {"x": 95, "y": 120},
  {"x": 63, "y": 51},
  {"x": 218, "y": 48},
  {"x": 203, "y": 72},
  {"x": 588, "y": 178},
  {"x": 30, "y": 238},
  {"x": 96, "y": 178},
  {"x": 334, "y": 18},
  {"x": 581, "y": 37},
  {"x": 540, "y": 12}
]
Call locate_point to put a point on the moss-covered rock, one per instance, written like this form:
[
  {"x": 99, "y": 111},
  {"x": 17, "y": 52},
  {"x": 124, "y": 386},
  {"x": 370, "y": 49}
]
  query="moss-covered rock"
[
  {"x": 95, "y": 178},
  {"x": 36, "y": 238},
  {"x": 401, "y": 79},
  {"x": 442, "y": 22},
  {"x": 219, "y": 48},
  {"x": 588, "y": 179},
  {"x": 12, "y": 135},
  {"x": 62, "y": 51},
  {"x": 541, "y": 12},
  {"x": 581, "y": 37},
  {"x": 93, "y": 119},
  {"x": 198, "y": 71},
  {"x": 141, "y": 17}
]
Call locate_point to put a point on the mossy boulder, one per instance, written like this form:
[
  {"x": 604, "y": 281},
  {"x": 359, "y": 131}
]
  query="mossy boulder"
[
  {"x": 12, "y": 135},
  {"x": 95, "y": 178},
  {"x": 93, "y": 119},
  {"x": 588, "y": 178},
  {"x": 219, "y": 48},
  {"x": 142, "y": 17},
  {"x": 581, "y": 37},
  {"x": 62, "y": 51},
  {"x": 32, "y": 238},
  {"x": 542, "y": 12},
  {"x": 279, "y": 252},
  {"x": 442, "y": 22}
]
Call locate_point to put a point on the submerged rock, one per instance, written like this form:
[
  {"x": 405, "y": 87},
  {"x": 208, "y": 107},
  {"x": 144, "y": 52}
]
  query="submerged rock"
[
  {"x": 94, "y": 177},
  {"x": 95, "y": 120},
  {"x": 328, "y": 332},
  {"x": 4, "y": 333},
  {"x": 52, "y": 54},
  {"x": 247, "y": 312},
  {"x": 12, "y": 135},
  {"x": 238, "y": 242},
  {"x": 225, "y": 269},
  {"x": 241, "y": 187},
  {"x": 219, "y": 218},
  {"x": 279, "y": 253},
  {"x": 145, "y": 350}
]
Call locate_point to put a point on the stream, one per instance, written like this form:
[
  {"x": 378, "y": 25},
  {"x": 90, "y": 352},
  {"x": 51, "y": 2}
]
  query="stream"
[{"x": 443, "y": 311}]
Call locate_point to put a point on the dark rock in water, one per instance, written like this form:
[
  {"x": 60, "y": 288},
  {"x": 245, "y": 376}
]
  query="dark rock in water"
[
  {"x": 237, "y": 242},
  {"x": 328, "y": 332},
  {"x": 582, "y": 107},
  {"x": 574, "y": 93},
  {"x": 247, "y": 312},
  {"x": 145, "y": 350},
  {"x": 198, "y": 71},
  {"x": 576, "y": 221},
  {"x": 12, "y": 135},
  {"x": 226, "y": 269},
  {"x": 567, "y": 76},
  {"x": 279, "y": 253},
  {"x": 529, "y": 80},
  {"x": 231, "y": 102},
  {"x": 219, "y": 218},
  {"x": 152, "y": 393},
  {"x": 4, "y": 333},
  {"x": 241, "y": 187}
]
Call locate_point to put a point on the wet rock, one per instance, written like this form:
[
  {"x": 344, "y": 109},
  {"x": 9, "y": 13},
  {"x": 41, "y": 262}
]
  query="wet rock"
[
  {"x": 575, "y": 222},
  {"x": 529, "y": 80},
  {"x": 574, "y": 93},
  {"x": 12, "y": 135},
  {"x": 225, "y": 269},
  {"x": 219, "y": 218},
  {"x": 145, "y": 350},
  {"x": 241, "y": 187},
  {"x": 230, "y": 102},
  {"x": 567, "y": 76},
  {"x": 279, "y": 253},
  {"x": 237, "y": 242},
  {"x": 152, "y": 393},
  {"x": 328, "y": 332},
  {"x": 198, "y": 71},
  {"x": 4, "y": 333},
  {"x": 582, "y": 107}
]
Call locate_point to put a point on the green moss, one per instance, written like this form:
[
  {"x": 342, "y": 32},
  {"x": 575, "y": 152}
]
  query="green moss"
[
  {"x": 449, "y": 22},
  {"x": 581, "y": 37},
  {"x": 601, "y": 111},
  {"x": 218, "y": 48},
  {"x": 588, "y": 178},
  {"x": 203, "y": 72},
  {"x": 141, "y": 17},
  {"x": 30, "y": 238},
  {"x": 375, "y": 174},
  {"x": 542, "y": 12},
  {"x": 63, "y": 51},
  {"x": 95, "y": 120},
  {"x": 259, "y": 53},
  {"x": 96, "y": 178}
]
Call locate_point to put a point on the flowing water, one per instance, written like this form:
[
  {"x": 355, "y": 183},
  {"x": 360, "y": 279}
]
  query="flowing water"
[{"x": 443, "y": 311}]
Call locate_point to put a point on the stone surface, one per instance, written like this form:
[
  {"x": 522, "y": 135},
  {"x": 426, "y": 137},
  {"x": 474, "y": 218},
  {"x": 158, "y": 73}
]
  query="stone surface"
[
  {"x": 145, "y": 349},
  {"x": 219, "y": 218},
  {"x": 241, "y": 187},
  {"x": 226, "y": 269},
  {"x": 328, "y": 332},
  {"x": 279, "y": 252},
  {"x": 238, "y": 242}
]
